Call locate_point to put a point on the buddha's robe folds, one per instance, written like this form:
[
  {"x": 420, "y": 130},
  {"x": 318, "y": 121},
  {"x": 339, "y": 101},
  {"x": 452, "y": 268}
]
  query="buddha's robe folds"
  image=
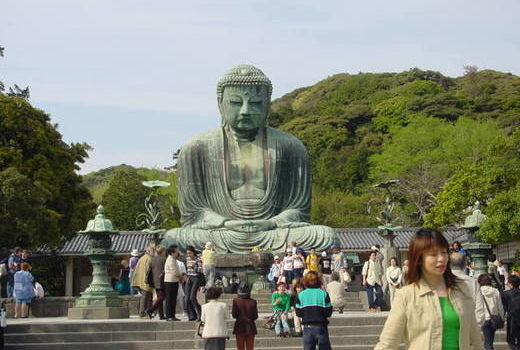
[{"x": 206, "y": 201}]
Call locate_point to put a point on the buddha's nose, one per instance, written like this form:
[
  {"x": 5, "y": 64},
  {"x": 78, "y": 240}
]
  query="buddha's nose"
[{"x": 245, "y": 110}]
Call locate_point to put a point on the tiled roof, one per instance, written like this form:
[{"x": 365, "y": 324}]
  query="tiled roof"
[
  {"x": 364, "y": 238},
  {"x": 349, "y": 239},
  {"x": 123, "y": 243}
]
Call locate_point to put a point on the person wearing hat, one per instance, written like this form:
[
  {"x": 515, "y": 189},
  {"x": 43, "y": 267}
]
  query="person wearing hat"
[
  {"x": 245, "y": 312},
  {"x": 132, "y": 263}
]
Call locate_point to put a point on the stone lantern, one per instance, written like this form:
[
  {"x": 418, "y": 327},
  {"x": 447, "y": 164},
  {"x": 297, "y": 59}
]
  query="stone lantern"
[
  {"x": 99, "y": 300},
  {"x": 478, "y": 250}
]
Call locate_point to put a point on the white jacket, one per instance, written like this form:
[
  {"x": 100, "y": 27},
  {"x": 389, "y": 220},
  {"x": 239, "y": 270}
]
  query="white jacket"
[
  {"x": 171, "y": 270},
  {"x": 492, "y": 297},
  {"x": 214, "y": 315}
]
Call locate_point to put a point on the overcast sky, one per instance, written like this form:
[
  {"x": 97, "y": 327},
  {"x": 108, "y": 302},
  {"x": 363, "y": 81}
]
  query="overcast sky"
[{"x": 136, "y": 79}]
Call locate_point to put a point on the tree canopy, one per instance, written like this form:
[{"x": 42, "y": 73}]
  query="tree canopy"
[{"x": 40, "y": 191}]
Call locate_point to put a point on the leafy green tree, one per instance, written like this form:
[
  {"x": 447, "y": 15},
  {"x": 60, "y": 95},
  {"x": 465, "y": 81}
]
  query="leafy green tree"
[
  {"x": 124, "y": 198},
  {"x": 494, "y": 182},
  {"x": 48, "y": 168}
]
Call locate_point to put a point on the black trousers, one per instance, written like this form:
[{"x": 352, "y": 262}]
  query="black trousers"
[
  {"x": 158, "y": 304},
  {"x": 171, "y": 289},
  {"x": 190, "y": 292}
]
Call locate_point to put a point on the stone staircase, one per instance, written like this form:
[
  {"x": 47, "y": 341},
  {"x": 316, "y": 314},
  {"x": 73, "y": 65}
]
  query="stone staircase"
[{"x": 353, "y": 330}]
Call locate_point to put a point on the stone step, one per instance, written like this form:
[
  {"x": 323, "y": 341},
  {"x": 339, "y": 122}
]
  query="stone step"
[
  {"x": 156, "y": 325},
  {"x": 345, "y": 342},
  {"x": 75, "y": 337},
  {"x": 334, "y": 332}
]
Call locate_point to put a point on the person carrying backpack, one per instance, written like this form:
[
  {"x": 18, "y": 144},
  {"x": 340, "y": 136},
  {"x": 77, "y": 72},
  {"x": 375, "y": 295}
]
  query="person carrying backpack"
[{"x": 511, "y": 301}]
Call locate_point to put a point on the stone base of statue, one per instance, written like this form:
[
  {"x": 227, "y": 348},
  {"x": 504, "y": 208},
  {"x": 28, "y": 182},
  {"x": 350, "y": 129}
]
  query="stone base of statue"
[
  {"x": 98, "y": 305},
  {"x": 278, "y": 240},
  {"x": 97, "y": 313}
]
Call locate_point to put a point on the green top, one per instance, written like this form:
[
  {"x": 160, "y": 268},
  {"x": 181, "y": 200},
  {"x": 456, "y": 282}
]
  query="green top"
[
  {"x": 284, "y": 305},
  {"x": 450, "y": 325}
]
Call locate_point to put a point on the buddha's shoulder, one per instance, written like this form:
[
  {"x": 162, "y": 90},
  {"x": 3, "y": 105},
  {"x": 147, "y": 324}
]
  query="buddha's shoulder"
[
  {"x": 284, "y": 137},
  {"x": 203, "y": 138}
]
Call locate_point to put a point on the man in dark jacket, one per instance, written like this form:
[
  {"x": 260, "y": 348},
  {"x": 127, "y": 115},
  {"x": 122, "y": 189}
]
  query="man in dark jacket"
[
  {"x": 314, "y": 308},
  {"x": 511, "y": 301},
  {"x": 245, "y": 311},
  {"x": 157, "y": 268}
]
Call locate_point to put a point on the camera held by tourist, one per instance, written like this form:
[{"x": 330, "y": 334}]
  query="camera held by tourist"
[{"x": 435, "y": 310}]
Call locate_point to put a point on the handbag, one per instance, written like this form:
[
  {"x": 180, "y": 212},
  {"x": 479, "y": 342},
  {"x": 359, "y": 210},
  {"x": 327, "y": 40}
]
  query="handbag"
[
  {"x": 200, "y": 329},
  {"x": 496, "y": 321},
  {"x": 268, "y": 322}
]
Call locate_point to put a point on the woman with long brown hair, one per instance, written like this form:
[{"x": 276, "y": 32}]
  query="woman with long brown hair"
[{"x": 434, "y": 311}]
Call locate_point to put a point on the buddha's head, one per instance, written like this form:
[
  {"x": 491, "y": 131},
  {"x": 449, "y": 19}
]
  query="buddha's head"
[{"x": 244, "y": 98}]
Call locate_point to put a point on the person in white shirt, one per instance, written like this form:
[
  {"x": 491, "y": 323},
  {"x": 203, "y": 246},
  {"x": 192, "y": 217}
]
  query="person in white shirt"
[
  {"x": 372, "y": 281},
  {"x": 214, "y": 315},
  {"x": 337, "y": 294},
  {"x": 458, "y": 264},
  {"x": 172, "y": 277},
  {"x": 394, "y": 277},
  {"x": 288, "y": 265}
]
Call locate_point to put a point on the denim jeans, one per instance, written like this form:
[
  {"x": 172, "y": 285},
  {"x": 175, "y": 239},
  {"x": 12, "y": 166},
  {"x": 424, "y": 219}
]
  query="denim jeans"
[
  {"x": 282, "y": 324},
  {"x": 374, "y": 303},
  {"x": 489, "y": 335},
  {"x": 316, "y": 336}
]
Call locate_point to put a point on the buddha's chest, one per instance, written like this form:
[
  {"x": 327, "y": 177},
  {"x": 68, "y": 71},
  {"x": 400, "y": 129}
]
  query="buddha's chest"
[{"x": 245, "y": 171}]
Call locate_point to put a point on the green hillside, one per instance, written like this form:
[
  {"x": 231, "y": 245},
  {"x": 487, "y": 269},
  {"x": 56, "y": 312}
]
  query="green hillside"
[{"x": 438, "y": 135}]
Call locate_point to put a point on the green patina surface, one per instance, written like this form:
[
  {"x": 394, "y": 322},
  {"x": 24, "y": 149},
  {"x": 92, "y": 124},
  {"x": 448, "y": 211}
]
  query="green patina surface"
[{"x": 245, "y": 185}]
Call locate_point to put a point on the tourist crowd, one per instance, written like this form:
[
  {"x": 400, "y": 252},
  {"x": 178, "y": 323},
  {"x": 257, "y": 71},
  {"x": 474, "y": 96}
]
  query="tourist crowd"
[{"x": 20, "y": 283}]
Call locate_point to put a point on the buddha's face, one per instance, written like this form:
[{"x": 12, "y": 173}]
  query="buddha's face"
[{"x": 245, "y": 108}]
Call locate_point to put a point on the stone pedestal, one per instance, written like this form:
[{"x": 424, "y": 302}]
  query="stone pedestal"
[
  {"x": 99, "y": 300},
  {"x": 89, "y": 313}
]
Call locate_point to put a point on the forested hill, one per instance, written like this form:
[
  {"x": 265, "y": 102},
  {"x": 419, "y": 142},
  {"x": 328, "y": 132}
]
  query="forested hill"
[{"x": 450, "y": 142}]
